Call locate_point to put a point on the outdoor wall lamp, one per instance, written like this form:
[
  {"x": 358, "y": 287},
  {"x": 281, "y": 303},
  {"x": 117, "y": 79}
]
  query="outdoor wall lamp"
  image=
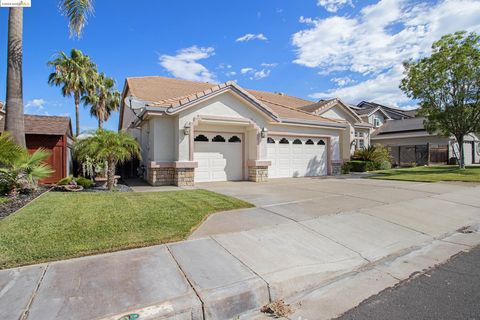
[
  {"x": 186, "y": 130},
  {"x": 263, "y": 133}
]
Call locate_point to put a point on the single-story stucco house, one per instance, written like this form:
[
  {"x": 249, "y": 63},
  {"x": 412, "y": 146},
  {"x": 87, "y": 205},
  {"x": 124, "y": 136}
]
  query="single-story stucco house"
[{"x": 196, "y": 132}]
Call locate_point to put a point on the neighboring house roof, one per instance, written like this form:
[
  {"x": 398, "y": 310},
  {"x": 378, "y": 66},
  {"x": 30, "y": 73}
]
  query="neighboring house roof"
[
  {"x": 403, "y": 125},
  {"x": 176, "y": 94},
  {"x": 366, "y": 107},
  {"x": 323, "y": 106},
  {"x": 48, "y": 125}
]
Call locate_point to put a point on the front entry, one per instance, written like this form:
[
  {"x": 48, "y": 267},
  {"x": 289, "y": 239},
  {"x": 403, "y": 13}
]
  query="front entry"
[
  {"x": 296, "y": 157},
  {"x": 219, "y": 156}
]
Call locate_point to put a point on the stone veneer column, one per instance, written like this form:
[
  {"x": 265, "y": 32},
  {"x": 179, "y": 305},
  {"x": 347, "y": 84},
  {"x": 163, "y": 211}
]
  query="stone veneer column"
[
  {"x": 178, "y": 173},
  {"x": 337, "y": 167},
  {"x": 258, "y": 170},
  {"x": 184, "y": 177}
]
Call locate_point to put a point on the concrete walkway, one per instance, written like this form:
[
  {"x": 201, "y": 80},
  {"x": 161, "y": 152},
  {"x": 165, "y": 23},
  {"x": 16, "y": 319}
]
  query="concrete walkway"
[{"x": 308, "y": 240}]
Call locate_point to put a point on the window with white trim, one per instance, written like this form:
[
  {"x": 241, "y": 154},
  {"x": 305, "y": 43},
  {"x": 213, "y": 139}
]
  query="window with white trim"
[{"x": 359, "y": 139}]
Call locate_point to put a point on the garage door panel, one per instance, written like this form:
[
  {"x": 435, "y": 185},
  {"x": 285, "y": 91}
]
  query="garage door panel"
[
  {"x": 218, "y": 161},
  {"x": 295, "y": 160}
]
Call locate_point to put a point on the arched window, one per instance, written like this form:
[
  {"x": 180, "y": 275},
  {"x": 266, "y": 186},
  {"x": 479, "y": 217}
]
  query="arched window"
[
  {"x": 297, "y": 141},
  {"x": 201, "y": 137},
  {"x": 234, "y": 139},
  {"x": 309, "y": 141},
  {"x": 321, "y": 143},
  {"x": 270, "y": 140},
  {"x": 284, "y": 141},
  {"x": 218, "y": 138}
]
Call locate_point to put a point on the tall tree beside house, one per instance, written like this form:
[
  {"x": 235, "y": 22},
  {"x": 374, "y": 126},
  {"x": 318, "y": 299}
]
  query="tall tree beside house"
[
  {"x": 447, "y": 86},
  {"x": 77, "y": 12},
  {"x": 103, "y": 98},
  {"x": 75, "y": 74},
  {"x": 14, "y": 104},
  {"x": 108, "y": 146}
]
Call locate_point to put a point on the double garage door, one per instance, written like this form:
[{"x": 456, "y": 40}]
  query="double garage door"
[{"x": 296, "y": 157}]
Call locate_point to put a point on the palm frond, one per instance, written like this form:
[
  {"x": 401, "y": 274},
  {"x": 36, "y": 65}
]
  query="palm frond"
[{"x": 77, "y": 12}]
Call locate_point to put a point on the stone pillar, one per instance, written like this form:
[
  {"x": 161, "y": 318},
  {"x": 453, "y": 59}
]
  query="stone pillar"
[
  {"x": 184, "y": 177},
  {"x": 337, "y": 167},
  {"x": 258, "y": 170},
  {"x": 178, "y": 173}
]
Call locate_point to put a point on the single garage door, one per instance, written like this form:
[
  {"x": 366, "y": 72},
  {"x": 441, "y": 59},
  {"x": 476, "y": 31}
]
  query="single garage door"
[
  {"x": 219, "y": 157},
  {"x": 296, "y": 157}
]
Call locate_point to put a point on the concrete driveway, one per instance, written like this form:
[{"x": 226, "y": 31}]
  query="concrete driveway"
[
  {"x": 329, "y": 242},
  {"x": 294, "y": 200}
]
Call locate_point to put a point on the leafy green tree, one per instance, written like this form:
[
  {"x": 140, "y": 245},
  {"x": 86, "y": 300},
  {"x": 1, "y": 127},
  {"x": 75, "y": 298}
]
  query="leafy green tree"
[
  {"x": 447, "y": 86},
  {"x": 103, "y": 98},
  {"x": 75, "y": 74},
  {"x": 77, "y": 12},
  {"x": 110, "y": 147}
]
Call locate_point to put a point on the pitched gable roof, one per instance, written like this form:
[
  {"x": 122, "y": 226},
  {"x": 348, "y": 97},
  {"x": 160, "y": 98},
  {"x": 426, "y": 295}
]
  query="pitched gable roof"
[
  {"x": 47, "y": 125},
  {"x": 175, "y": 94},
  {"x": 394, "y": 113},
  {"x": 323, "y": 106}
]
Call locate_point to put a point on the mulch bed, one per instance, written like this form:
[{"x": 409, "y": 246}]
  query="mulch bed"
[{"x": 19, "y": 202}]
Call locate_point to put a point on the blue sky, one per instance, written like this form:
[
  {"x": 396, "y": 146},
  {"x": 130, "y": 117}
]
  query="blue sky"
[{"x": 351, "y": 49}]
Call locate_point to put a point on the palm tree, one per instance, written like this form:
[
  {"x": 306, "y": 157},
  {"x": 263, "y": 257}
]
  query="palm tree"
[
  {"x": 77, "y": 12},
  {"x": 110, "y": 147},
  {"x": 14, "y": 104},
  {"x": 75, "y": 74},
  {"x": 103, "y": 98},
  {"x": 9, "y": 150}
]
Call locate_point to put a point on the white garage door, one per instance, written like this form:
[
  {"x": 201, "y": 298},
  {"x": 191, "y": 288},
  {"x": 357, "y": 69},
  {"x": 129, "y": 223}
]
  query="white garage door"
[
  {"x": 468, "y": 152},
  {"x": 219, "y": 157},
  {"x": 296, "y": 157}
]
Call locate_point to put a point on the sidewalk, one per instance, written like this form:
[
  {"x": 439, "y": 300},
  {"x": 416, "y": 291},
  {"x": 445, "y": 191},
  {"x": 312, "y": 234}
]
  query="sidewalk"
[{"x": 226, "y": 275}]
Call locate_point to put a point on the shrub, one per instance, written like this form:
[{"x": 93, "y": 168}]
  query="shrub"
[
  {"x": 361, "y": 166},
  {"x": 378, "y": 156},
  {"x": 84, "y": 182},
  {"x": 346, "y": 168},
  {"x": 65, "y": 181},
  {"x": 384, "y": 165}
]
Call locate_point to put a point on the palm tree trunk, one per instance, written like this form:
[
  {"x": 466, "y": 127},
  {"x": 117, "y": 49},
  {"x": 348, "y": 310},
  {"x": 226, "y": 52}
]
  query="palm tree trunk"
[
  {"x": 110, "y": 175},
  {"x": 14, "y": 121},
  {"x": 100, "y": 124},
  {"x": 77, "y": 113}
]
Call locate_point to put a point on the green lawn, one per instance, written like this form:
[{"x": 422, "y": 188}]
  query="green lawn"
[
  {"x": 431, "y": 174},
  {"x": 65, "y": 225}
]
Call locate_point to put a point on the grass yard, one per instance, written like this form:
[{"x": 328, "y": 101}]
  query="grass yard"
[
  {"x": 65, "y": 225},
  {"x": 431, "y": 174}
]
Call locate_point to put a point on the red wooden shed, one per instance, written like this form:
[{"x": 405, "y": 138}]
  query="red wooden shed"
[{"x": 53, "y": 133}]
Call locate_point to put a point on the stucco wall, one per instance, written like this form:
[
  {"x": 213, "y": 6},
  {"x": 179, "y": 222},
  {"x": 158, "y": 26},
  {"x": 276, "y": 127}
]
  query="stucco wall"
[{"x": 224, "y": 105}]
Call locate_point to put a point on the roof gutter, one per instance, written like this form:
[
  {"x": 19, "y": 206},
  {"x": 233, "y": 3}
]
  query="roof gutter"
[{"x": 313, "y": 123}]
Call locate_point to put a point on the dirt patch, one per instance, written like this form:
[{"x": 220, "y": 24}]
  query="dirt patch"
[
  {"x": 14, "y": 204},
  {"x": 277, "y": 308}
]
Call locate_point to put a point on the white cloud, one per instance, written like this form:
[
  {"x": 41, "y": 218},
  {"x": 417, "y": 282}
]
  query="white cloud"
[
  {"x": 251, "y": 36},
  {"x": 184, "y": 64},
  {"x": 260, "y": 73},
  {"x": 246, "y": 70},
  {"x": 376, "y": 41},
  {"x": 231, "y": 73},
  {"x": 342, "y": 81},
  {"x": 36, "y": 104},
  {"x": 334, "y": 5}
]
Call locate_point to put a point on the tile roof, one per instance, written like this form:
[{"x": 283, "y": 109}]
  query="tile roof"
[
  {"x": 317, "y": 105},
  {"x": 165, "y": 92},
  {"x": 48, "y": 125}
]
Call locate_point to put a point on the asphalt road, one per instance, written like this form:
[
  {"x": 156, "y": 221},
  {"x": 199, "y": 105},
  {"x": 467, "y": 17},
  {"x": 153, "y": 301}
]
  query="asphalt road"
[{"x": 450, "y": 291}]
